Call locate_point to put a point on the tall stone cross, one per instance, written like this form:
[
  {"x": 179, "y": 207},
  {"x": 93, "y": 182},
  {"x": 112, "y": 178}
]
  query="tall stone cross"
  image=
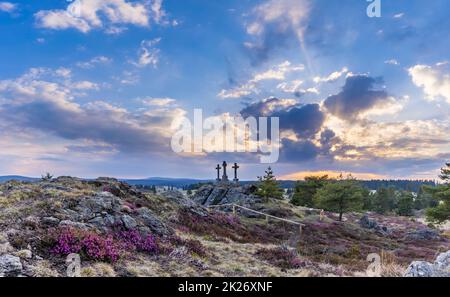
[
  {"x": 224, "y": 176},
  {"x": 235, "y": 167},
  {"x": 218, "y": 172}
]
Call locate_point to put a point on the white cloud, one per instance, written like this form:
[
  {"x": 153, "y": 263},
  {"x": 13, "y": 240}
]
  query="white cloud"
[
  {"x": 432, "y": 80},
  {"x": 278, "y": 72},
  {"x": 161, "y": 102},
  {"x": 128, "y": 78},
  {"x": 332, "y": 77},
  {"x": 85, "y": 85},
  {"x": 43, "y": 101},
  {"x": 241, "y": 91},
  {"x": 443, "y": 63},
  {"x": 85, "y": 15},
  {"x": 294, "y": 87},
  {"x": 399, "y": 15},
  {"x": 94, "y": 61},
  {"x": 287, "y": 14},
  {"x": 148, "y": 53},
  {"x": 8, "y": 7},
  {"x": 392, "y": 62}
]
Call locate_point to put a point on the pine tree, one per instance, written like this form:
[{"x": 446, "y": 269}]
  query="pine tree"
[
  {"x": 384, "y": 200},
  {"x": 268, "y": 186},
  {"x": 405, "y": 204},
  {"x": 304, "y": 191},
  {"x": 441, "y": 212},
  {"x": 445, "y": 173},
  {"x": 341, "y": 196}
]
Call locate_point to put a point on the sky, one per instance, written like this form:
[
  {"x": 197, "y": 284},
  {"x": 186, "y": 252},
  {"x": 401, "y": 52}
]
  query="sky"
[{"x": 91, "y": 87}]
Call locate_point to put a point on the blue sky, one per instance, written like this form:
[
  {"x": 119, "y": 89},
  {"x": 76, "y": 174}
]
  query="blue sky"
[{"x": 90, "y": 88}]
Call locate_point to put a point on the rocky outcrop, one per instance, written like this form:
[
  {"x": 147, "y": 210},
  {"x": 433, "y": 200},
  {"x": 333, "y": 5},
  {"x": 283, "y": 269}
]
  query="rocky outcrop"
[
  {"x": 226, "y": 193},
  {"x": 367, "y": 223},
  {"x": 10, "y": 266},
  {"x": 440, "y": 267},
  {"x": 423, "y": 234}
]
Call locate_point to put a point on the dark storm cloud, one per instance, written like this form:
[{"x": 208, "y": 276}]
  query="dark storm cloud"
[
  {"x": 357, "y": 95},
  {"x": 298, "y": 151},
  {"x": 305, "y": 120}
]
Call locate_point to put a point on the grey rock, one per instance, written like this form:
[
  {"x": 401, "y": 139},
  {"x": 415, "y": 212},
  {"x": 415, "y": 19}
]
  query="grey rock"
[
  {"x": 178, "y": 198},
  {"x": 10, "y": 265},
  {"x": 151, "y": 221},
  {"x": 5, "y": 247},
  {"x": 226, "y": 193},
  {"x": 103, "y": 201},
  {"x": 420, "y": 269},
  {"x": 367, "y": 223},
  {"x": 128, "y": 222},
  {"x": 423, "y": 234},
  {"x": 440, "y": 267},
  {"x": 50, "y": 221},
  {"x": 31, "y": 221},
  {"x": 67, "y": 223}
]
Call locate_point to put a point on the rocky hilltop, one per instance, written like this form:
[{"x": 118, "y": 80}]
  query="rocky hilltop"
[
  {"x": 226, "y": 193},
  {"x": 118, "y": 230}
]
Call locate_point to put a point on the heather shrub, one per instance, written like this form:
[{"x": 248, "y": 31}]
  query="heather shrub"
[
  {"x": 89, "y": 244},
  {"x": 281, "y": 257},
  {"x": 135, "y": 241},
  {"x": 219, "y": 225},
  {"x": 94, "y": 246},
  {"x": 192, "y": 245}
]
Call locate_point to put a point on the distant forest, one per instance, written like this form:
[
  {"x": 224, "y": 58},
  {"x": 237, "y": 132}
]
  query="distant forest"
[{"x": 406, "y": 185}]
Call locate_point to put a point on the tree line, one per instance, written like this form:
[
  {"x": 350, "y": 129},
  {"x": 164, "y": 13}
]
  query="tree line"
[{"x": 346, "y": 194}]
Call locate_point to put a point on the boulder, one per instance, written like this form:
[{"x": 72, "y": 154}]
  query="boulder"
[
  {"x": 439, "y": 268},
  {"x": 423, "y": 234},
  {"x": 71, "y": 224},
  {"x": 50, "y": 221},
  {"x": 10, "y": 266},
  {"x": 128, "y": 222},
  {"x": 367, "y": 223},
  {"x": 151, "y": 221},
  {"x": 226, "y": 193}
]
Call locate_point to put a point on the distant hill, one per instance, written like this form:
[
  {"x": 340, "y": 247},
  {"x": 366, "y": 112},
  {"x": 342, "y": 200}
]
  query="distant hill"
[
  {"x": 163, "y": 181},
  {"x": 18, "y": 178}
]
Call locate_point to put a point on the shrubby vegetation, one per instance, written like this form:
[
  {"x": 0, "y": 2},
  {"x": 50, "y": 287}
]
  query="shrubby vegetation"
[
  {"x": 347, "y": 194},
  {"x": 441, "y": 212},
  {"x": 304, "y": 191},
  {"x": 340, "y": 196},
  {"x": 268, "y": 186}
]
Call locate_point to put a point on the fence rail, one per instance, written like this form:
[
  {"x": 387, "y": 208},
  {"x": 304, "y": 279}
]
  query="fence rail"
[{"x": 234, "y": 206}]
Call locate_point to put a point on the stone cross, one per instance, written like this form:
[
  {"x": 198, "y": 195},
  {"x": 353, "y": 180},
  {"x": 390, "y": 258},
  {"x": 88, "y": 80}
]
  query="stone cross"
[
  {"x": 218, "y": 172},
  {"x": 224, "y": 176},
  {"x": 235, "y": 167}
]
